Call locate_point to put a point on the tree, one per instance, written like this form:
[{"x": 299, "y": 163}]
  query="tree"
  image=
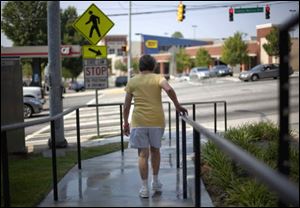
[
  {"x": 272, "y": 47},
  {"x": 121, "y": 66},
  {"x": 235, "y": 50},
  {"x": 72, "y": 67},
  {"x": 203, "y": 58},
  {"x": 25, "y": 22},
  {"x": 177, "y": 35},
  {"x": 183, "y": 61}
]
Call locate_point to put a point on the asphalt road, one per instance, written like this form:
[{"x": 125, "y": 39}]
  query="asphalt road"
[{"x": 246, "y": 102}]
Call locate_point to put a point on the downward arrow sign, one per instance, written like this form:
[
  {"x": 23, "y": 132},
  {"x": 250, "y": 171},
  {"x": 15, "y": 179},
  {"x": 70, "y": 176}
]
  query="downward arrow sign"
[{"x": 98, "y": 53}]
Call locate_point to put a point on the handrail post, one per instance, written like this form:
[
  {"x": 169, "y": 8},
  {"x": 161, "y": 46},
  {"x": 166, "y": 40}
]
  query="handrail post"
[
  {"x": 177, "y": 140},
  {"x": 225, "y": 115},
  {"x": 194, "y": 119},
  {"x": 5, "y": 171},
  {"x": 215, "y": 116},
  {"x": 169, "y": 107},
  {"x": 54, "y": 168},
  {"x": 184, "y": 170},
  {"x": 197, "y": 145},
  {"x": 121, "y": 127},
  {"x": 78, "y": 139}
]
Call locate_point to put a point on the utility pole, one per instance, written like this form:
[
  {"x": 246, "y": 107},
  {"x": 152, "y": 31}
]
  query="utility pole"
[
  {"x": 129, "y": 43},
  {"x": 55, "y": 98}
]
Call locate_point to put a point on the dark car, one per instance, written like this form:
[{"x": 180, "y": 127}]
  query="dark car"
[
  {"x": 77, "y": 86},
  {"x": 31, "y": 105},
  {"x": 221, "y": 70},
  {"x": 121, "y": 81},
  {"x": 261, "y": 71}
]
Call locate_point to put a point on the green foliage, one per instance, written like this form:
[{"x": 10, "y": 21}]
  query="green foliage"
[
  {"x": 272, "y": 47},
  {"x": 249, "y": 193},
  {"x": 235, "y": 50},
  {"x": 203, "y": 58},
  {"x": 25, "y": 22},
  {"x": 183, "y": 61},
  {"x": 72, "y": 67},
  {"x": 177, "y": 34},
  {"x": 120, "y": 65},
  {"x": 261, "y": 141}
]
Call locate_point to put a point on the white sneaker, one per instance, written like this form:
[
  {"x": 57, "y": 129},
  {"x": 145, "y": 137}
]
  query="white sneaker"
[
  {"x": 156, "y": 186},
  {"x": 144, "y": 192}
]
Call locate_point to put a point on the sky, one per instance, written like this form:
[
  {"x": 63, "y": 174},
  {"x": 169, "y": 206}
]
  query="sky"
[{"x": 206, "y": 22}]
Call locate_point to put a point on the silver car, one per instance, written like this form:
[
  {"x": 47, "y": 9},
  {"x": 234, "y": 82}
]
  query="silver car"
[
  {"x": 261, "y": 71},
  {"x": 221, "y": 70},
  {"x": 199, "y": 73},
  {"x": 31, "y": 106}
]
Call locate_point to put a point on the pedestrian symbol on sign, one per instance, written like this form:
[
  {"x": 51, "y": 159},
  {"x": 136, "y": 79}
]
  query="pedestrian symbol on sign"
[
  {"x": 93, "y": 24},
  {"x": 95, "y": 20}
]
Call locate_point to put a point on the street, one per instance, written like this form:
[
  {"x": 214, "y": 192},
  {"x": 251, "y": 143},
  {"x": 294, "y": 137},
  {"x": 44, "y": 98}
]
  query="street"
[{"x": 246, "y": 102}]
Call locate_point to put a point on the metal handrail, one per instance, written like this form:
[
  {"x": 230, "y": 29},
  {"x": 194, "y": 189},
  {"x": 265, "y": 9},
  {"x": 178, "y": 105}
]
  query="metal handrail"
[
  {"x": 9, "y": 127},
  {"x": 288, "y": 191}
]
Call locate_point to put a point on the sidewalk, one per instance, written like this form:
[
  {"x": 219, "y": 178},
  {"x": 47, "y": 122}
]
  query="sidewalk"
[{"x": 113, "y": 180}]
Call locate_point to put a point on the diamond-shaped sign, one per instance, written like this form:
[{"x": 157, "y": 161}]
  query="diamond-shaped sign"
[{"x": 93, "y": 24}]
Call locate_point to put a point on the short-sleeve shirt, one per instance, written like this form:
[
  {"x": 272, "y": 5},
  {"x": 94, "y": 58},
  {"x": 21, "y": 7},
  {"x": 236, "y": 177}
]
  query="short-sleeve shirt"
[{"x": 146, "y": 91}]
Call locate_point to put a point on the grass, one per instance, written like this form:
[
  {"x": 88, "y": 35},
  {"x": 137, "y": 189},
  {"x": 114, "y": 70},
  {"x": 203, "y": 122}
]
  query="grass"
[
  {"x": 31, "y": 174},
  {"x": 228, "y": 183}
]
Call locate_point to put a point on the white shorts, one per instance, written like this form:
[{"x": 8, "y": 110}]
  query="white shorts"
[{"x": 143, "y": 137}]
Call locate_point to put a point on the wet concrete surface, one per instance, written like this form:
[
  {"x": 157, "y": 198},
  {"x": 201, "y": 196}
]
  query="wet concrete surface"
[{"x": 113, "y": 180}]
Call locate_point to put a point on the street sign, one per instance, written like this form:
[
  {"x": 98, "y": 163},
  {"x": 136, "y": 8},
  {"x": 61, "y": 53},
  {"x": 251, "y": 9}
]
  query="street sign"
[
  {"x": 93, "y": 24},
  {"x": 248, "y": 10},
  {"x": 90, "y": 51},
  {"x": 95, "y": 73}
]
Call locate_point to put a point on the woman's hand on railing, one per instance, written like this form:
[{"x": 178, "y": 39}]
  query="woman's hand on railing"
[{"x": 181, "y": 110}]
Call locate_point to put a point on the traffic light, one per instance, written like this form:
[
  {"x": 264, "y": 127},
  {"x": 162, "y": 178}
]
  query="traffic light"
[
  {"x": 180, "y": 12},
  {"x": 231, "y": 14},
  {"x": 124, "y": 48},
  {"x": 267, "y": 11}
]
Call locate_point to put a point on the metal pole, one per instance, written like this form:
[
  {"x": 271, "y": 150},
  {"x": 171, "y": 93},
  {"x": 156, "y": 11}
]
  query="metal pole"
[
  {"x": 184, "y": 171},
  {"x": 121, "y": 126},
  {"x": 129, "y": 43},
  {"x": 5, "y": 171},
  {"x": 197, "y": 168},
  {"x": 169, "y": 107},
  {"x": 215, "y": 116},
  {"x": 54, "y": 167},
  {"x": 177, "y": 140},
  {"x": 225, "y": 115},
  {"x": 55, "y": 98},
  {"x": 78, "y": 139},
  {"x": 97, "y": 114}
]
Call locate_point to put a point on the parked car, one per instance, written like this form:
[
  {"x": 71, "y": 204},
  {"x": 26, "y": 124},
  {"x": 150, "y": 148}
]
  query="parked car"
[
  {"x": 261, "y": 71},
  {"x": 77, "y": 86},
  {"x": 31, "y": 105},
  {"x": 221, "y": 70},
  {"x": 199, "y": 73},
  {"x": 182, "y": 77},
  {"x": 34, "y": 92},
  {"x": 121, "y": 81}
]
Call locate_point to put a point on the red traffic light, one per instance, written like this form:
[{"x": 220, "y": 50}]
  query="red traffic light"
[
  {"x": 267, "y": 11},
  {"x": 231, "y": 10}
]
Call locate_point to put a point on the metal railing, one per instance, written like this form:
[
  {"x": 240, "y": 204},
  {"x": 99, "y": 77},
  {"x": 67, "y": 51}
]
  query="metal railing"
[
  {"x": 288, "y": 192},
  {"x": 10, "y": 127}
]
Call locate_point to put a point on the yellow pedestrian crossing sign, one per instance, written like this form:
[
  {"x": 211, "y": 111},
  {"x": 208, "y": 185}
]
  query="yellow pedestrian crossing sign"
[
  {"x": 93, "y": 24},
  {"x": 91, "y": 51}
]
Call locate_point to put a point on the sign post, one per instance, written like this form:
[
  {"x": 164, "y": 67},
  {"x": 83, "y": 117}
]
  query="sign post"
[{"x": 94, "y": 25}]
